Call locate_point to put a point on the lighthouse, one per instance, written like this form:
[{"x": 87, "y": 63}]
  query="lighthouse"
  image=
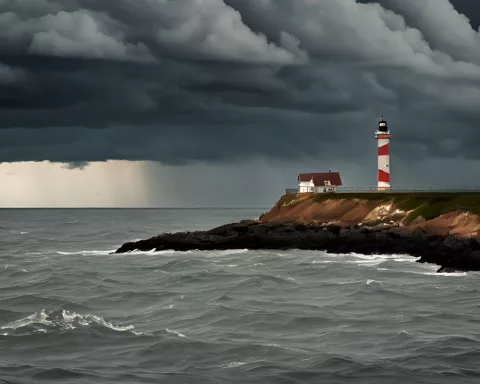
[{"x": 383, "y": 138}]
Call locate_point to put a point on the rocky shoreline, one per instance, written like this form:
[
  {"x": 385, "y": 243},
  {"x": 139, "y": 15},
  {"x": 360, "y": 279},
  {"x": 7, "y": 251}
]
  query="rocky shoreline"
[{"x": 451, "y": 253}]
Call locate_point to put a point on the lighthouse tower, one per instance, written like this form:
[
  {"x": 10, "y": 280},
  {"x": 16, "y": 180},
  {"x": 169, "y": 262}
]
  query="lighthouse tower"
[{"x": 383, "y": 137}]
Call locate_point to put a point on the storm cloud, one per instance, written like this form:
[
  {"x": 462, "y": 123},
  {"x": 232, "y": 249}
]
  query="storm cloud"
[{"x": 182, "y": 81}]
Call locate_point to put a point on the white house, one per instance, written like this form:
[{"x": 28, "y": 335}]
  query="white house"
[{"x": 319, "y": 182}]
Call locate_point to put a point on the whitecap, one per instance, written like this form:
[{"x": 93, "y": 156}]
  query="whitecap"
[
  {"x": 176, "y": 333},
  {"x": 375, "y": 259},
  {"x": 35, "y": 319},
  {"x": 395, "y": 257},
  {"x": 369, "y": 281},
  {"x": 63, "y": 321},
  {"x": 361, "y": 256},
  {"x": 153, "y": 252},
  {"x": 408, "y": 259},
  {"x": 367, "y": 262},
  {"x": 232, "y": 252},
  {"x": 445, "y": 274},
  {"x": 173, "y": 252},
  {"x": 235, "y": 364},
  {"x": 93, "y": 252}
]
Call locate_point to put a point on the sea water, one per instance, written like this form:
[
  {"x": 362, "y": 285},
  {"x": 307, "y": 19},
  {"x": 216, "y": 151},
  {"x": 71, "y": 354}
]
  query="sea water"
[{"x": 71, "y": 311}]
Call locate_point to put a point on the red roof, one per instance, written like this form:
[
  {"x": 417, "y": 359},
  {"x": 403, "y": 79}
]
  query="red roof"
[{"x": 319, "y": 179}]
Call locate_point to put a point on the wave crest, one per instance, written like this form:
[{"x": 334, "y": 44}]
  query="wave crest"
[
  {"x": 60, "y": 321},
  {"x": 93, "y": 253}
]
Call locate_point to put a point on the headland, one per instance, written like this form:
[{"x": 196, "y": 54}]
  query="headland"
[{"x": 438, "y": 228}]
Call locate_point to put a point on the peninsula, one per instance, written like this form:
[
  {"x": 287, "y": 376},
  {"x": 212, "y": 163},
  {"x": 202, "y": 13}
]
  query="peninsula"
[{"x": 438, "y": 228}]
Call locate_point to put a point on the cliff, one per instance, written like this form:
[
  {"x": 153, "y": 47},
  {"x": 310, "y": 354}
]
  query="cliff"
[
  {"x": 441, "y": 229},
  {"x": 440, "y": 214}
]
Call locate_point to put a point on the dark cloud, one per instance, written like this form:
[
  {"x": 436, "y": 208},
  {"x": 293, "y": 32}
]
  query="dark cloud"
[
  {"x": 180, "y": 81},
  {"x": 76, "y": 165}
]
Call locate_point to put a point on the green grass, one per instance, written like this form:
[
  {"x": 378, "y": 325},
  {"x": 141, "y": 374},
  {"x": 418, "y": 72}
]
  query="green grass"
[
  {"x": 286, "y": 200},
  {"x": 427, "y": 205},
  {"x": 363, "y": 196}
]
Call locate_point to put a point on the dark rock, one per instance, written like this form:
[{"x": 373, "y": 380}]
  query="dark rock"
[
  {"x": 474, "y": 244},
  {"x": 334, "y": 228},
  {"x": 418, "y": 232},
  {"x": 447, "y": 270},
  {"x": 241, "y": 228},
  {"x": 451, "y": 253},
  {"x": 301, "y": 227},
  {"x": 474, "y": 259},
  {"x": 470, "y": 262}
]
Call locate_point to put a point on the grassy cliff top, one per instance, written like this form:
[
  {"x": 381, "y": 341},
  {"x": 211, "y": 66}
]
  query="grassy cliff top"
[{"x": 427, "y": 205}]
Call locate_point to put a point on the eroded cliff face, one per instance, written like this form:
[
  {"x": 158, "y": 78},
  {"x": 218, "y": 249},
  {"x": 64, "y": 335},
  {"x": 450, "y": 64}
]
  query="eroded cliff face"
[
  {"x": 308, "y": 208},
  {"x": 363, "y": 223},
  {"x": 458, "y": 222}
]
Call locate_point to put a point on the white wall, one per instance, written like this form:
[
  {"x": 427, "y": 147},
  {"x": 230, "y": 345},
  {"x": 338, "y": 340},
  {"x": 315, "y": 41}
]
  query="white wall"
[
  {"x": 329, "y": 188},
  {"x": 308, "y": 186}
]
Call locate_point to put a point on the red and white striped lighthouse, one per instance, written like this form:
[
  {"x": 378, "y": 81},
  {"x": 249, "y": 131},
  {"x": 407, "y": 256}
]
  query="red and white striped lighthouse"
[{"x": 383, "y": 137}]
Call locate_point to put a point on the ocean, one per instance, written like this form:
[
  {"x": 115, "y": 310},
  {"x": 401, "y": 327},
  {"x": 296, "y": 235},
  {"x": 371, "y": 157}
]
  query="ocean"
[{"x": 73, "y": 312}]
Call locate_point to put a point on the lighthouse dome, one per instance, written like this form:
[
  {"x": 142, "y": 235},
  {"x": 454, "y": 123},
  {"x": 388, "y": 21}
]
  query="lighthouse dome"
[{"x": 383, "y": 126}]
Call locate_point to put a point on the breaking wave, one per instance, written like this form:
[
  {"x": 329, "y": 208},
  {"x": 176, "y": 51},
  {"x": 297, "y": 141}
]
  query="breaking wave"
[
  {"x": 233, "y": 316},
  {"x": 60, "y": 322},
  {"x": 93, "y": 252},
  {"x": 176, "y": 333}
]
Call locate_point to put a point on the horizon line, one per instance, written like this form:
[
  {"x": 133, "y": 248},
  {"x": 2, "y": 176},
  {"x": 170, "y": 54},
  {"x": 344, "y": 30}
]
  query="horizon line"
[{"x": 5, "y": 208}]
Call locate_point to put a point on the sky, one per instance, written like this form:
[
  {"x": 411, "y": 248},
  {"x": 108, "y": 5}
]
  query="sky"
[{"x": 202, "y": 103}]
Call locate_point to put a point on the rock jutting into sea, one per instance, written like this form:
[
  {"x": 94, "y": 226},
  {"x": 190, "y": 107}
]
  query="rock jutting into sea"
[
  {"x": 437, "y": 229},
  {"x": 451, "y": 253}
]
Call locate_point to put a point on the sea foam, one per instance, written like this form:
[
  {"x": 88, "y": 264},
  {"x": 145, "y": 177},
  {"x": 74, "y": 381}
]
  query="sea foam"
[{"x": 60, "y": 321}]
